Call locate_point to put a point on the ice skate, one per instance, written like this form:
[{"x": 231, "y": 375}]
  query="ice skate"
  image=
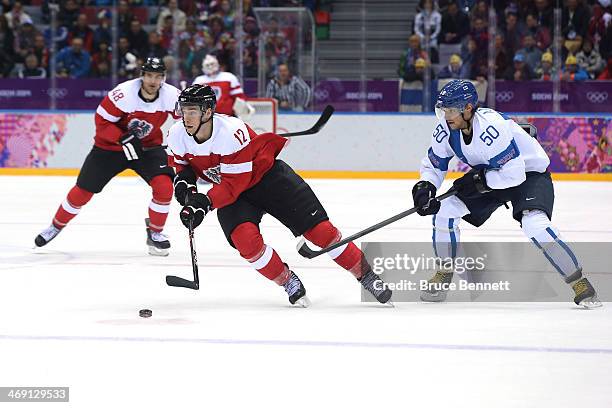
[
  {"x": 46, "y": 235},
  {"x": 373, "y": 284},
  {"x": 585, "y": 294},
  {"x": 157, "y": 242},
  {"x": 436, "y": 291},
  {"x": 296, "y": 291}
]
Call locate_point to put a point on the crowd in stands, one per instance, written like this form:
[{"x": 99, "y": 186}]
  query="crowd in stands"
[
  {"x": 523, "y": 42},
  {"x": 180, "y": 32}
]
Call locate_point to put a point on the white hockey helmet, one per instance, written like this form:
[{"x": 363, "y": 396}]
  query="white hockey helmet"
[{"x": 210, "y": 65}]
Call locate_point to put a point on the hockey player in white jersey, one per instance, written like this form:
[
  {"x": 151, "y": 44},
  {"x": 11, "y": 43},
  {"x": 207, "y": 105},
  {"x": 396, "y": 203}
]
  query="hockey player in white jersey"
[
  {"x": 231, "y": 99},
  {"x": 507, "y": 165}
]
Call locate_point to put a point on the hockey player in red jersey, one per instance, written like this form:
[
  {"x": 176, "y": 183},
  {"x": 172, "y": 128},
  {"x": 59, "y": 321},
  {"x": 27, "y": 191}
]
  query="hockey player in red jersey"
[
  {"x": 249, "y": 181},
  {"x": 128, "y": 135},
  {"x": 231, "y": 99}
]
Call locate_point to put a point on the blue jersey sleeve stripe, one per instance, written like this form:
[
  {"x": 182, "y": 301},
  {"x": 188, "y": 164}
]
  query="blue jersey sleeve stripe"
[
  {"x": 509, "y": 153},
  {"x": 440, "y": 163}
]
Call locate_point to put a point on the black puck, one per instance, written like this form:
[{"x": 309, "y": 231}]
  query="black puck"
[{"x": 145, "y": 313}]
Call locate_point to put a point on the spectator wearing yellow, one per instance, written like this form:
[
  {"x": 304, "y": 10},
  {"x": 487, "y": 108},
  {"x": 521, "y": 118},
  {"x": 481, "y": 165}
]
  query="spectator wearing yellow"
[
  {"x": 545, "y": 70},
  {"x": 572, "y": 72},
  {"x": 453, "y": 69}
]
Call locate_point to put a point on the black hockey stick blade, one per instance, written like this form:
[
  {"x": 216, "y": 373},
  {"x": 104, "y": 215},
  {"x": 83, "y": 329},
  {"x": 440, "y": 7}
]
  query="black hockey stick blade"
[
  {"x": 181, "y": 283},
  {"x": 325, "y": 115},
  {"x": 307, "y": 252}
]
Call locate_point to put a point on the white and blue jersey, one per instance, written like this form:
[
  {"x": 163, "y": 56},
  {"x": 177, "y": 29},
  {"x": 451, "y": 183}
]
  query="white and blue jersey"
[{"x": 498, "y": 144}]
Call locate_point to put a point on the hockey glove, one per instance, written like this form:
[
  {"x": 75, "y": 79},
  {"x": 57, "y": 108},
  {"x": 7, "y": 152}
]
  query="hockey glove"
[
  {"x": 424, "y": 196},
  {"x": 184, "y": 185},
  {"x": 132, "y": 146},
  {"x": 472, "y": 184},
  {"x": 196, "y": 207}
]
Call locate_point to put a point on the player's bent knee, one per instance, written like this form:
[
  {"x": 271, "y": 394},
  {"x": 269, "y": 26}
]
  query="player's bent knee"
[
  {"x": 248, "y": 240},
  {"x": 78, "y": 196},
  {"x": 323, "y": 234},
  {"x": 534, "y": 222}
]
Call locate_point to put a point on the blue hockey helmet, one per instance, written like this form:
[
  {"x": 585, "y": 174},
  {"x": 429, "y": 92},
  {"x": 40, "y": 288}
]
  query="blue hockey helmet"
[{"x": 454, "y": 97}]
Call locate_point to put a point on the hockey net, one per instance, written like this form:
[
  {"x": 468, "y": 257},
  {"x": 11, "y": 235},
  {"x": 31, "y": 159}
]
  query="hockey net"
[{"x": 264, "y": 118}]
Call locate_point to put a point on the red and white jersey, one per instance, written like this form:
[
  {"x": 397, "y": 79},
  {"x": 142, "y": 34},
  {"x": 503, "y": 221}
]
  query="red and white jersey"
[
  {"x": 226, "y": 87},
  {"x": 234, "y": 158},
  {"x": 123, "y": 109}
]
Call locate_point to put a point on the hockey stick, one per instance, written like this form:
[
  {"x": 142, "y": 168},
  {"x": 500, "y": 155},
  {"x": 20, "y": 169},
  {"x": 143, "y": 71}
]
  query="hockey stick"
[
  {"x": 325, "y": 115},
  {"x": 184, "y": 283},
  {"x": 307, "y": 252}
]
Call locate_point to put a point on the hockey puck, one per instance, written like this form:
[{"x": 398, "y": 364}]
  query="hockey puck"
[{"x": 145, "y": 313}]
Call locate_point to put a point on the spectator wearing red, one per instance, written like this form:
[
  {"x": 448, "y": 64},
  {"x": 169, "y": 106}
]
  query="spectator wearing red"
[
  {"x": 83, "y": 31},
  {"x": 455, "y": 24},
  {"x": 540, "y": 33},
  {"x": 167, "y": 33},
  {"x": 154, "y": 47},
  {"x": 41, "y": 51},
  {"x": 600, "y": 26},
  {"x": 101, "y": 61},
  {"x": 607, "y": 72},
  {"x": 24, "y": 43}
]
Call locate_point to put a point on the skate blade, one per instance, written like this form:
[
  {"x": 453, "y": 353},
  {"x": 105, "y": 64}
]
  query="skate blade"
[
  {"x": 302, "y": 302},
  {"x": 591, "y": 303},
  {"x": 158, "y": 251},
  {"x": 434, "y": 298},
  {"x": 389, "y": 304}
]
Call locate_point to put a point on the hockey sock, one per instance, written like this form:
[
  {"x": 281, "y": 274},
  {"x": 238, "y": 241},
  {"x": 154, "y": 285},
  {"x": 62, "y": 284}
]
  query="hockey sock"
[
  {"x": 348, "y": 256},
  {"x": 445, "y": 236},
  {"x": 248, "y": 241},
  {"x": 545, "y": 236},
  {"x": 160, "y": 204},
  {"x": 70, "y": 207}
]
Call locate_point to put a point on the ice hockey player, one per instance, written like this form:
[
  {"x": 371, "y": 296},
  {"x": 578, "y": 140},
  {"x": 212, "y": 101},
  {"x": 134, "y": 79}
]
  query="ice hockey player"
[
  {"x": 128, "y": 135},
  {"x": 507, "y": 165},
  {"x": 247, "y": 182},
  {"x": 231, "y": 99}
]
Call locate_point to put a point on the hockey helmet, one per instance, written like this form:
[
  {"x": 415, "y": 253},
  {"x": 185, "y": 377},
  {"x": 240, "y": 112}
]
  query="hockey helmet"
[{"x": 454, "y": 97}]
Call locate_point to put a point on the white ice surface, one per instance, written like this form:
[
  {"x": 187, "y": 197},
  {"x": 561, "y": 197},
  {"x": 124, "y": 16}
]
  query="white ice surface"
[{"x": 69, "y": 313}]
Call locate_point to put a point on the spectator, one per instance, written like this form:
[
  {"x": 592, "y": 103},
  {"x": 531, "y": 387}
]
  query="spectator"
[
  {"x": 416, "y": 72},
  {"x": 126, "y": 60},
  {"x": 409, "y": 57},
  {"x": 607, "y": 72},
  {"x": 545, "y": 71},
  {"x": 291, "y": 92},
  {"x": 278, "y": 51},
  {"x": 24, "y": 43},
  {"x": 41, "y": 51},
  {"x": 574, "y": 24},
  {"x": 73, "y": 61},
  {"x": 572, "y": 72},
  {"x": 203, "y": 49},
  {"x": 82, "y": 30},
  {"x": 453, "y": 69},
  {"x": 502, "y": 59},
  {"x": 428, "y": 22},
  {"x": 32, "y": 69},
  {"x": 167, "y": 33},
  {"x": 103, "y": 33},
  {"x": 600, "y": 26},
  {"x": 137, "y": 37},
  {"x": 540, "y": 33},
  {"x": 60, "y": 37},
  {"x": 590, "y": 60},
  {"x": 225, "y": 12},
  {"x": 481, "y": 11},
  {"x": 7, "y": 49},
  {"x": 519, "y": 71},
  {"x": 16, "y": 17},
  {"x": 455, "y": 24},
  {"x": 101, "y": 61},
  {"x": 544, "y": 14},
  {"x": 68, "y": 14},
  {"x": 513, "y": 33},
  {"x": 124, "y": 17},
  {"x": 180, "y": 18},
  {"x": 171, "y": 71},
  {"x": 154, "y": 48},
  {"x": 480, "y": 34},
  {"x": 532, "y": 54}
]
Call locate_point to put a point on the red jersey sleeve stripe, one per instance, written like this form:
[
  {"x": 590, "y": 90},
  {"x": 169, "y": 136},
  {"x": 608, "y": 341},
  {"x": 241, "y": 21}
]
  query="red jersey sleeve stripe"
[{"x": 110, "y": 107}]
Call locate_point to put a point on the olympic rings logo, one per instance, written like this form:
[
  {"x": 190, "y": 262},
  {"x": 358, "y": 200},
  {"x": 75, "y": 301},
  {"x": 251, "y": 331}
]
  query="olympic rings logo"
[
  {"x": 57, "y": 92},
  {"x": 504, "y": 96},
  {"x": 597, "y": 97}
]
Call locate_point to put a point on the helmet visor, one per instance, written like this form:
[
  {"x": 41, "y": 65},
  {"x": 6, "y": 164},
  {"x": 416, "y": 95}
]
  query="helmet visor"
[
  {"x": 447, "y": 113},
  {"x": 187, "y": 109}
]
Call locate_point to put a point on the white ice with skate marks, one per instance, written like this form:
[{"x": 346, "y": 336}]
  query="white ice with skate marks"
[{"x": 69, "y": 313}]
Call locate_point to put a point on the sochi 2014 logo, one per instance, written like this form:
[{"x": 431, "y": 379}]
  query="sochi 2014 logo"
[{"x": 141, "y": 128}]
